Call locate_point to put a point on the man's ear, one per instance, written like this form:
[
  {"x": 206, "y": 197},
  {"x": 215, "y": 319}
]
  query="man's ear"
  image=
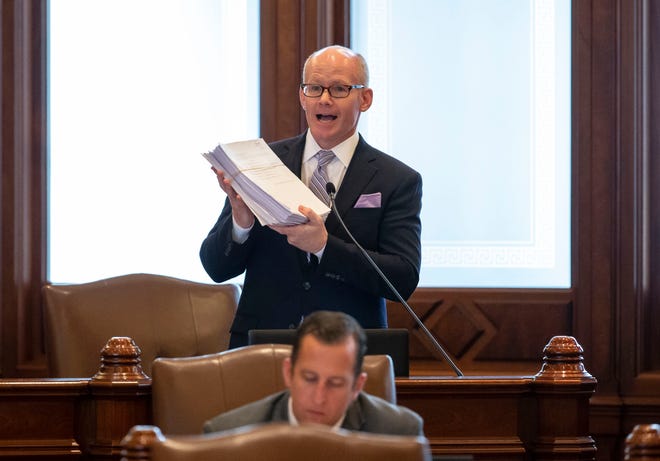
[
  {"x": 302, "y": 98},
  {"x": 359, "y": 384},
  {"x": 286, "y": 371},
  {"x": 366, "y": 98}
]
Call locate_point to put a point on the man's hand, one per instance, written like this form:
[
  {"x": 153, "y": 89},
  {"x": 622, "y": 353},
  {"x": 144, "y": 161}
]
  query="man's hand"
[
  {"x": 240, "y": 211},
  {"x": 310, "y": 237}
]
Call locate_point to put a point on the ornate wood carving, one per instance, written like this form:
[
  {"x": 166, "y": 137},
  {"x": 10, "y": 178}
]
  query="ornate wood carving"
[
  {"x": 120, "y": 397},
  {"x": 476, "y": 326},
  {"x": 120, "y": 361},
  {"x": 137, "y": 443},
  {"x": 563, "y": 388},
  {"x": 643, "y": 443}
]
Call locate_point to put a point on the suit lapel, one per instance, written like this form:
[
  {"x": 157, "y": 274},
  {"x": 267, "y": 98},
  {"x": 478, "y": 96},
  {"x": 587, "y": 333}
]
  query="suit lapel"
[
  {"x": 359, "y": 174},
  {"x": 354, "y": 419},
  {"x": 281, "y": 408},
  {"x": 291, "y": 155}
]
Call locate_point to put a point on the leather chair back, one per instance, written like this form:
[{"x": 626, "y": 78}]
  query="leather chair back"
[
  {"x": 188, "y": 391},
  {"x": 278, "y": 442},
  {"x": 165, "y": 316}
]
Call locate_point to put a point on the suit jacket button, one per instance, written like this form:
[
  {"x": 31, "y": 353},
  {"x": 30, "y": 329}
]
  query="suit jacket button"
[{"x": 306, "y": 286}]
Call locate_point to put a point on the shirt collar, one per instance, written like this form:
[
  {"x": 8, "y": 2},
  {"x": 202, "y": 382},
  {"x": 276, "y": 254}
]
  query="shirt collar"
[
  {"x": 343, "y": 151},
  {"x": 294, "y": 421}
]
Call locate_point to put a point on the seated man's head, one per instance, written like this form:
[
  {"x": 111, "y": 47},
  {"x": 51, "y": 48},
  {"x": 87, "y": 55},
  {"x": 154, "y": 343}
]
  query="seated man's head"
[{"x": 324, "y": 373}]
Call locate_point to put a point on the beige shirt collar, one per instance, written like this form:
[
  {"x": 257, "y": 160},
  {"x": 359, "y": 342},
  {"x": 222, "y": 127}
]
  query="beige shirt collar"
[
  {"x": 343, "y": 151},
  {"x": 294, "y": 422}
]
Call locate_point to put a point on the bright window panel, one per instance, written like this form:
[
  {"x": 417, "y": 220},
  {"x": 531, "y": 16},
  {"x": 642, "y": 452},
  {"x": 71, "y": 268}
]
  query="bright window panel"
[
  {"x": 475, "y": 95},
  {"x": 138, "y": 90}
]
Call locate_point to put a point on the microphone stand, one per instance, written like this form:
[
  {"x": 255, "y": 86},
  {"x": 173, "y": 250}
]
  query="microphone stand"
[{"x": 330, "y": 189}]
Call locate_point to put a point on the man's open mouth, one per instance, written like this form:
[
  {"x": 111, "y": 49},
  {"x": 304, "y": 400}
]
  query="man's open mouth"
[{"x": 325, "y": 118}]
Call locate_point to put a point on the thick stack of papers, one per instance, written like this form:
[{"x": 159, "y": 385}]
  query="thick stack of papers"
[{"x": 267, "y": 186}]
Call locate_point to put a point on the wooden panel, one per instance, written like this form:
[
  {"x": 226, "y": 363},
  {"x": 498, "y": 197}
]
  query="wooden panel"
[
  {"x": 652, "y": 173},
  {"x": 448, "y": 408},
  {"x": 518, "y": 417},
  {"x": 595, "y": 139},
  {"x": 492, "y": 418},
  {"x": 23, "y": 207},
  {"x": 290, "y": 31},
  {"x": 475, "y": 326},
  {"x": 280, "y": 67},
  {"x": 40, "y": 419},
  {"x": 640, "y": 350}
]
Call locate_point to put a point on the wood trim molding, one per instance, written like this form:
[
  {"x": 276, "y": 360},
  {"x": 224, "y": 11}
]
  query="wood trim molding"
[
  {"x": 290, "y": 31},
  {"x": 488, "y": 331},
  {"x": 594, "y": 191},
  {"x": 24, "y": 183},
  {"x": 652, "y": 170},
  {"x": 637, "y": 216}
]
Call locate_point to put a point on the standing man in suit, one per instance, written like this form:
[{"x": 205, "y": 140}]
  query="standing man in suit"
[
  {"x": 324, "y": 379},
  {"x": 291, "y": 271}
]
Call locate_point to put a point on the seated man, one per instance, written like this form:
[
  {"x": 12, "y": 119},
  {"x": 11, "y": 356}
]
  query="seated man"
[{"x": 324, "y": 379}]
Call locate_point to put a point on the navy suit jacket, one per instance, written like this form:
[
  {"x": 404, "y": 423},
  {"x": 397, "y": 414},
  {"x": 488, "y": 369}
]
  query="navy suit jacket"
[
  {"x": 281, "y": 287},
  {"x": 367, "y": 414}
]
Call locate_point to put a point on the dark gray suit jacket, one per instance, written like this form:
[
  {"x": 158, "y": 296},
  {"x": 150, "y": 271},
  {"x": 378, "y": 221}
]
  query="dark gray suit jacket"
[
  {"x": 281, "y": 287},
  {"x": 367, "y": 414}
]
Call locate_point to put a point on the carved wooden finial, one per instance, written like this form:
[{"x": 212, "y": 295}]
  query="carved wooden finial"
[
  {"x": 643, "y": 443},
  {"x": 563, "y": 361},
  {"x": 136, "y": 445},
  {"x": 120, "y": 361}
]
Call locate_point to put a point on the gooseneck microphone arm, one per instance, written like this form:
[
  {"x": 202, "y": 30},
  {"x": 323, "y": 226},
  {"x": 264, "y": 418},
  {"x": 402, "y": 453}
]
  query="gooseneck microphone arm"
[{"x": 331, "y": 190}]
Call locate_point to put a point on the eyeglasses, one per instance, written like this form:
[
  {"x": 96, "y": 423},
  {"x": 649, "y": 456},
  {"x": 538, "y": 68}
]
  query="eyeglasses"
[{"x": 312, "y": 90}]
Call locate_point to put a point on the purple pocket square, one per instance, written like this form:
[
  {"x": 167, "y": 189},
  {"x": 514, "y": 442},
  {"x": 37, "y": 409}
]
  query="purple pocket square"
[{"x": 368, "y": 201}]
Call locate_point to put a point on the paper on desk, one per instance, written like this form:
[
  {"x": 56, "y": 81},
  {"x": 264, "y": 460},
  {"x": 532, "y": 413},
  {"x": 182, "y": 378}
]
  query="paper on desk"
[{"x": 271, "y": 191}]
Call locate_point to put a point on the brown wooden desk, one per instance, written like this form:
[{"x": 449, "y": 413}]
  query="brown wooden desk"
[{"x": 493, "y": 418}]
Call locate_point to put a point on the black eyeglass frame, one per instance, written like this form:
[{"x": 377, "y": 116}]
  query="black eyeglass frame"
[{"x": 348, "y": 88}]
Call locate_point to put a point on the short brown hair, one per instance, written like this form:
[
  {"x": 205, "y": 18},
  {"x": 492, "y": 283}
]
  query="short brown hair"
[{"x": 332, "y": 327}]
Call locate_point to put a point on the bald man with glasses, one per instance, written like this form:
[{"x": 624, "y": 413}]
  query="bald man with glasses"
[{"x": 292, "y": 271}]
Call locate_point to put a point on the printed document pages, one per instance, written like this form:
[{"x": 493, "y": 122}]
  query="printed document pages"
[{"x": 267, "y": 186}]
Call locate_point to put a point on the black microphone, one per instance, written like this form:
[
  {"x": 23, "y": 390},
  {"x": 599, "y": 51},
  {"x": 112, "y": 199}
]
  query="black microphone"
[{"x": 331, "y": 190}]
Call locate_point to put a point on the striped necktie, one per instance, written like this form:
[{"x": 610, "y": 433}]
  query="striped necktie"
[{"x": 320, "y": 176}]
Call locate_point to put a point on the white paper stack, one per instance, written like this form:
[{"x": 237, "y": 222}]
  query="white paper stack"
[{"x": 267, "y": 186}]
